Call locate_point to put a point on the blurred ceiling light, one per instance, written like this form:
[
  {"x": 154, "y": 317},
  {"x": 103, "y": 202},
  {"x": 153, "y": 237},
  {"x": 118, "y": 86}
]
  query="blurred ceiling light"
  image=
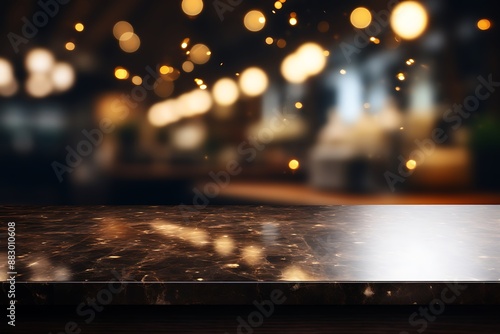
[
  {"x": 343, "y": 72},
  {"x": 79, "y": 27},
  {"x": 165, "y": 69},
  {"x": 483, "y": 24},
  {"x": 197, "y": 102},
  {"x": 307, "y": 61},
  {"x": 63, "y": 76},
  {"x": 361, "y": 17},
  {"x": 189, "y": 137},
  {"x": 70, "y": 46},
  {"x": 411, "y": 164},
  {"x": 225, "y": 92},
  {"x": 121, "y": 73},
  {"x": 129, "y": 42},
  {"x": 281, "y": 43},
  {"x": 9, "y": 89},
  {"x": 164, "y": 88},
  {"x": 187, "y": 66},
  {"x": 278, "y": 5},
  {"x": 200, "y": 54},
  {"x": 253, "y": 81},
  {"x": 6, "y": 72},
  {"x": 162, "y": 114},
  {"x": 293, "y": 21},
  {"x": 269, "y": 40},
  {"x": 292, "y": 71},
  {"x": 39, "y": 61},
  {"x": 254, "y": 20},
  {"x": 192, "y": 7},
  {"x": 293, "y": 164},
  {"x": 410, "y": 62},
  {"x": 39, "y": 85},
  {"x": 137, "y": 80},
  {"x": 409, "y": 19},
  {"x": 121, "y": 28},
  {"x": 185, "y": 43},
  {"x": 299, "y": 105},
  {"x": 401, "y": 76},
  {"x": 312, "y": 58}
]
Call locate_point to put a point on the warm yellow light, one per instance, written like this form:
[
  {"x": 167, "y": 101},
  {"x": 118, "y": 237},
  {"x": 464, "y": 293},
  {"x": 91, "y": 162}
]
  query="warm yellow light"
[
  {"x": 70, "y": 46},
  {"x": 137, "y": 80},
  {"x": 374, "y": 40},
  {"x": 225, "y": 92},
  {"x": 121, "y": 28},
  {"x": 253, "y": 81},
  {"x": 410, "y": 62},
  {"x": 397, "y": 88},
  {"x": 411, "y": 164},
  {"x": 326, "y": 53},
  {"x": 293, "y": 164},
  {"x": 198, "y": 81},
  {"x": 343, "y": 72},
  {"x": 6, "y": 72},
  {"x": 409, "y": 19},
  {"x": 269, "y": 40},
  {"x": 299, "y": 105},
  {"x": 401, "y": 76},
  {"x": 200, "y": 54},
  {"x": 484, "y": 24},
  {"x": 311, "y": 58},
  {"x": 192, "y": 7},
  {"x": 278, "y": 5},
  {"x": 254, "y": 20},
  {"x": 79, "y": 27},
  {"x": 187, "y": 66},
  {"x": 293, "y": 21},
  {"x": 121, "y": 73},
  {"x": 165, "y": 69},
  {"x": 203, "y": 86},
  {"x": 129, "y": 42},
  {"x": 361, "y": 17}
]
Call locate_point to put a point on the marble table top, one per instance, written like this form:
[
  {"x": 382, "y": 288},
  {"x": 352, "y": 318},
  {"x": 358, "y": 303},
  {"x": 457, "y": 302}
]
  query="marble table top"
[{"x": 218, "y": 245}]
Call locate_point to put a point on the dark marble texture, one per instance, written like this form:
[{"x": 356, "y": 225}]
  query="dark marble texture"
[{"x": 235, "y": 254}]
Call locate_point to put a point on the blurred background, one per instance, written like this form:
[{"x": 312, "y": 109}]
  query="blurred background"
[{"x": 234, "y": 101}]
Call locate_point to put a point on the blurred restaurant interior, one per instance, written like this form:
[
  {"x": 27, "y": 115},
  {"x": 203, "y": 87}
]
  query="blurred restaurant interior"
[{"x": 244, "y": 102}]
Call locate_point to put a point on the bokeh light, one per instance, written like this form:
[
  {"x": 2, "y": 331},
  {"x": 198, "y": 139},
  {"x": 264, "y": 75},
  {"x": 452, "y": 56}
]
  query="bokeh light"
[
  {"x": 79, "y": 27},
  {"x": 121, "y": 28},
  {"x": 129, "y": 42},
  {"x": 192, "y": 7},
  {"x": 121, "y": 73},
  {"x": 70, "y": 46},
  {"x": 39, "y": 61},
  {"x": 483, "y": 24},
  {"x": 253, "y": 81},
  {"x": 225, "y": 92},
  {"x": 361, "y": 17},
  {"x": 254, "y": 20},
  {"x": 63, "y": 76},
  {"x": 409, "y": 19},
  {"x": 293, "y": 164},
  {"x": 6, "y": 72},
  {"x": 200, "y": 54},
  {"x": 411, "y": 164},
  {"x": 187, "y": 66},
  {"x": 39, "y": 85}
]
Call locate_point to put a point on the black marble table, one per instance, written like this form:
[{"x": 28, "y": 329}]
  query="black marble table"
[{"x": 382, "y": 255}]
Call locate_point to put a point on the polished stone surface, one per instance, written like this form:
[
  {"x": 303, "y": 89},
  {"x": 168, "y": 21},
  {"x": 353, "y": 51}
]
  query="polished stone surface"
[{"x": 359, "y": 254}]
